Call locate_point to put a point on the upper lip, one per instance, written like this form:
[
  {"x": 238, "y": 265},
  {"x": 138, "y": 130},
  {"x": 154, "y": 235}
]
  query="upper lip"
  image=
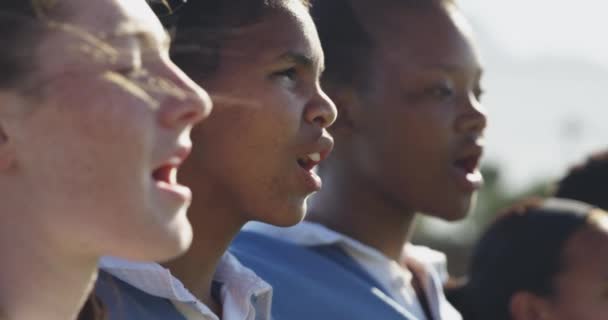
[
  {"x": 323, "y": 147},
  {"x": 176, "y": 157}
]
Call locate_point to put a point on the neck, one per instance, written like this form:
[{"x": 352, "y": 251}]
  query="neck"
[
  {"x": 215, "y": 223},
  {"x": 355, "y": 207},
  {"x": 38, "y": 280}
]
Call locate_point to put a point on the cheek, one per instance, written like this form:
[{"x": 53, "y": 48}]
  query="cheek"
[
  {"x": 411, "y": 137},
  {"x": 241, "y": 141},
  {"x": 87, "y": 135},
  {"x": 277, "y": 120},
  {"x": 104, "y": 110},
  {"x": 579, "y": 299}
]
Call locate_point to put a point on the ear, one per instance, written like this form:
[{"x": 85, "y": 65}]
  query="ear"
[{"x": 528, "y": 306}]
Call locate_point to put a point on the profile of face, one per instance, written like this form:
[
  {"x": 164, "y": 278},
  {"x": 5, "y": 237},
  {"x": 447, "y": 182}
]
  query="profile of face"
[
  {"x": 418, "y": 133},
  {"x": 581, "y": 288},
  {"x": 268, "y": 128},
  {"x": 99, "y": 134}
]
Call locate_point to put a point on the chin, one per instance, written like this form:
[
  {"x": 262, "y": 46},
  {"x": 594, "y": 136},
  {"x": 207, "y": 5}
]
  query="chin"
[
  {"x": 452, "y": 211},
  {"x": 461, "y": 209},
  {"x": 169, "y": 243},
  {"x": 179, "y": 241},
  {"x": 288, "y": 217}
]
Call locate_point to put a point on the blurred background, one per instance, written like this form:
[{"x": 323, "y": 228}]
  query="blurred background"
[{"x": 546, "y": 93}]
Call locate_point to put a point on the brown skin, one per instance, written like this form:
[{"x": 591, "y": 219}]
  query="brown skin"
[
  {"x": 397, "y": 143},
  {"x": 581, "y": 289},
  {"x": 269, "y": 111}
]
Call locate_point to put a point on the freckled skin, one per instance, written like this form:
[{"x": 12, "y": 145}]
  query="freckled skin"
[{"x": 86, "y": 147}]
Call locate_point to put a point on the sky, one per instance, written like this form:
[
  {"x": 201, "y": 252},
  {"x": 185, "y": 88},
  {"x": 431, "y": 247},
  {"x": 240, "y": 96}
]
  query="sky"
[
  {"x": 546, "y": 83},
  {"x": 545, "y": 27}
]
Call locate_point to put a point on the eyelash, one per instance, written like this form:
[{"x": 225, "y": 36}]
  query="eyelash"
[
  {"x": 130, "y": 70},
  {"x": 130, "y": 65},
  {"x": 444, "y": 92},
  {"x": 289, "y": 73},
  {"x": 126, "y": 71},
  {"x": 440, "y": 91}
]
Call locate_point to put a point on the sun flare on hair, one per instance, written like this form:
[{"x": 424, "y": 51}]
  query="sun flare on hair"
[
  {"x": 599, "y": 218},
  {"x": 131, "y": 87},
  {"x": 42, "y": 7}
]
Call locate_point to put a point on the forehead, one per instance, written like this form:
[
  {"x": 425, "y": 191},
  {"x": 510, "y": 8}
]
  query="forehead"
[
  {"x": 110, "y": 17},
  {"x": 588, "y": 244},
  {"x": 287, "y": 28},
  {"x": 436, "y": 34}
]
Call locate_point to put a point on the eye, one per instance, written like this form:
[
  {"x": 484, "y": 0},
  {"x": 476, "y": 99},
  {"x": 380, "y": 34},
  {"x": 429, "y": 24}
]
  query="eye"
[
  {"x": 130, "y": 64},
  {"x": 126, "y": 71},
  {"x": 130, "y": 71},
  {"x": 288, "y": 74},
  {"x": 440, "y": 91}
]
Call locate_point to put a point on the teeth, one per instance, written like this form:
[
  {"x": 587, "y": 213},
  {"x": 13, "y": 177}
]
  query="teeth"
[
  {"x": 173, "y": 176},
  {"x": 316, "y": 157}
]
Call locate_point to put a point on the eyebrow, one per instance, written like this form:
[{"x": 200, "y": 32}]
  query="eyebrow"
[
  {"x": 303, "y": 60},
  {"x": 449, "y": 68}
]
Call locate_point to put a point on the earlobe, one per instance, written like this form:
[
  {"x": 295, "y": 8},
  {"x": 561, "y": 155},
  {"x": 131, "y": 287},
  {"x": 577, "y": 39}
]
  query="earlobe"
[{"x": 528, "y": 306}]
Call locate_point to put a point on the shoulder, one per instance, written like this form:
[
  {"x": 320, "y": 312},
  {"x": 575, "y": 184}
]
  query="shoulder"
[
  {"x": 124, "y": 301},
  {"x": 309, "y": 284}
]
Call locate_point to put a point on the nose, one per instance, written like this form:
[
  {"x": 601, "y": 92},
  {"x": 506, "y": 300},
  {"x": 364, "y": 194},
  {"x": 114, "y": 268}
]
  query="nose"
[
  {"x": 473, "y": 118},
  {"x": 321, "y": 110},
  {"x": 185, "y": 103}
]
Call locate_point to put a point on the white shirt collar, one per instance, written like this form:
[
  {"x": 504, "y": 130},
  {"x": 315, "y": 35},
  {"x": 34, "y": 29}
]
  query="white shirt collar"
[{"x": 243, "y": 293}]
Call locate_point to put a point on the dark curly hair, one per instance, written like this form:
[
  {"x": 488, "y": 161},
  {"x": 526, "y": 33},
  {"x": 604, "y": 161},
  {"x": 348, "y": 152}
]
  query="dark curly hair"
[
  {"x": 587, "y": 182},
  {"x": 200, "y": 26}
]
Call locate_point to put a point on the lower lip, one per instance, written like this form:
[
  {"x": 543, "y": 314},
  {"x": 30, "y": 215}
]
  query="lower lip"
[
  {"x": 180, "y": 192},
  {"x": 468, "y": 181},
  {"x": 311, "y": 180}
]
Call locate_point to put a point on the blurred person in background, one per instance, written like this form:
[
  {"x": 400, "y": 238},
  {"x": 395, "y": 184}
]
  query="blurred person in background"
[
  {"x": 405, "y": 77},
  {"x": 544, "y": 259},
  {"x": 261, "y": 61},
  {"x": 587, "y": 182},
  {"x": 93, "y": 116}
]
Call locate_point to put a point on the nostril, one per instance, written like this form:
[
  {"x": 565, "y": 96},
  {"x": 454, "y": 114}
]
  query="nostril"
[
  {"x": 320, "y": 115},
  {"x": 190, "y": 117},
  {"x": 320, "y": 120},
  {"x": 321, "y": 110}
]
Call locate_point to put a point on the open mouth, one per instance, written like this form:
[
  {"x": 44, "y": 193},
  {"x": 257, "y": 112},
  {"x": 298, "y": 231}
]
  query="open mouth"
[
  {"x": 468, "y": 164},
  {"x": 309, "y": 161},
  {"x": 165, "y": 173}
]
